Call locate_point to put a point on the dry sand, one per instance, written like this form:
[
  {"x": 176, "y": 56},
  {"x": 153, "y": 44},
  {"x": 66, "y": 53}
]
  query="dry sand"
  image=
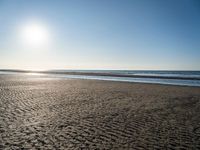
[{"x": 40, "y": 112}]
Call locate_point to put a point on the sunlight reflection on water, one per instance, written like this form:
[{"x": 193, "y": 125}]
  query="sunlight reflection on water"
[{"x": 35, "y": 74}]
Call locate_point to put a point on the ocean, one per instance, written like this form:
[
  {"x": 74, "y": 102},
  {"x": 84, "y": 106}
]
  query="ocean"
[
  {"x": 186, "y": 78},
  {"x": 158, "y": 77}
]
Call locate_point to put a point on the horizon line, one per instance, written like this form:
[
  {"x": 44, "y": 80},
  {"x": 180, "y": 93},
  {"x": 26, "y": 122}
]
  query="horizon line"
[{"x": 26, "y": 70}]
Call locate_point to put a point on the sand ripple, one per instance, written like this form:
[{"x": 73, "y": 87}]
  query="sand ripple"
[{"x": 85, "y": 114}]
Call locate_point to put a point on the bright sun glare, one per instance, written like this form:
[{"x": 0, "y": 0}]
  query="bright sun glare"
[{"x": 34, "y": 35}]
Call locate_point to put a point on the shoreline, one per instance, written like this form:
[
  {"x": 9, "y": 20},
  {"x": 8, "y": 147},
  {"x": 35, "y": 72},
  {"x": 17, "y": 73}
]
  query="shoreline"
[
  {"x": 108, "y": 77},
  {"x": 102, "y": 74}
]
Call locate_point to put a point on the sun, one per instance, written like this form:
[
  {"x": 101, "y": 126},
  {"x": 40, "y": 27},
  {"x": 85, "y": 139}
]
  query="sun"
[{"x": 34, "y": 35}]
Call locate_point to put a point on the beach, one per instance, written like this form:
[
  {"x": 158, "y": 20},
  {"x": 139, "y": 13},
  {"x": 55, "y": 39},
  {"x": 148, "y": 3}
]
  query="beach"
[{"x": 41, "y": 112}]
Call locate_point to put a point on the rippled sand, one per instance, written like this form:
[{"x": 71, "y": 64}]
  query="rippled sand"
[{"x": 52, "y": 113}]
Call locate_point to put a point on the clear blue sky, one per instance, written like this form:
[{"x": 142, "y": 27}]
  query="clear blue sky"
[{"x": 104, "y": 34}]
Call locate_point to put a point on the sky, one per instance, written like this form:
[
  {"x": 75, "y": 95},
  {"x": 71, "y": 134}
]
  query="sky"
[{"x": 100, "y": 34}]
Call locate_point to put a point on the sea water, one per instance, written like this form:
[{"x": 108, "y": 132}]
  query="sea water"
[{"x": 193, "y": 75}]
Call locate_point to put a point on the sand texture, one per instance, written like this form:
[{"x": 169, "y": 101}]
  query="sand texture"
[{"x": 52, "y": 113}]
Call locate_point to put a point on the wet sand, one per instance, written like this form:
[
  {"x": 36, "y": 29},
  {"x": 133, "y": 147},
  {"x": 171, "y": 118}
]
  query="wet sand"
[{"x": 51, "y": 113}]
